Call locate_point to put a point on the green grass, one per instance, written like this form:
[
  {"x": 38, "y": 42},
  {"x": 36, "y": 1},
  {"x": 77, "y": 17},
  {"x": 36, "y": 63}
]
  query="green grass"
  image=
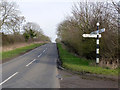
[
  {"x": 75, "y": 63},
  {"x": 18, "y": 51}
]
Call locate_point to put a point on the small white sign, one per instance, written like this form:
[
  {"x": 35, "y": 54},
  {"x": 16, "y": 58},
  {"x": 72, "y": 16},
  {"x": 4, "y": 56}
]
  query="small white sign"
[{"x": 91, "y": 35}]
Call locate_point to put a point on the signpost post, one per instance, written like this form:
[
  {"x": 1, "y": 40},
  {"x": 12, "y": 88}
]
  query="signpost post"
[
  {"x": 97, "y": 46},
  {"x": 96, "y": 34}
]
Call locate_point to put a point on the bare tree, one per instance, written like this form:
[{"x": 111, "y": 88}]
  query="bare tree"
[
  {"x": 84, "y": 19},
  {"x": 32, "y": 26},
  {"x": 10, "y": 20},
  {"x": 117, "y": 6},
  {"x": 32, "y": 30}
]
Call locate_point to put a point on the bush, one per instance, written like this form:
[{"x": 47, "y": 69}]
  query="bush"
[
  {"x": 83, "y": 21},
  {"x": 11, "y": 39}
]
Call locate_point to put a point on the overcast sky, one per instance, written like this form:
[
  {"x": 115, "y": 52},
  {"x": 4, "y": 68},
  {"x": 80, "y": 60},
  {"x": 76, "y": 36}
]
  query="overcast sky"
[{"x": 47, "y": 13}]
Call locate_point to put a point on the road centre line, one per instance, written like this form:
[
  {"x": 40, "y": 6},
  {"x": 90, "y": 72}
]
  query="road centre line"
[
  {"x": 30, "y": 63},
  {"x": 9, "y": 78},
  {"x": 44, "y": 51},
  {"x": 39, "y": 55}
]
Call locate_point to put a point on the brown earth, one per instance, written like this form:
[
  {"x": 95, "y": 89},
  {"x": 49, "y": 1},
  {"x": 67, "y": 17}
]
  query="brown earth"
[{"x": 72, "y": 80}]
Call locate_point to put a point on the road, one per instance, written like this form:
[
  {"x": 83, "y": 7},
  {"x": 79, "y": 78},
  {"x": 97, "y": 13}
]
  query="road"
[{"x": 35, "y": 69}]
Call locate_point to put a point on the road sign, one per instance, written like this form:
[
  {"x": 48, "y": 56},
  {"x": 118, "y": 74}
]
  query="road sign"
[
  {"x": 95, "y": 35},
  {"x": 91, "y": 35},
  {"x": 98, "y": 31}
]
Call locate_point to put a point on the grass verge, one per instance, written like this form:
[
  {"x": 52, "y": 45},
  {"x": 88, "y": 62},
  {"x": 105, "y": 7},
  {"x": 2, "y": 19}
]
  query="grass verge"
[
  {"x": 75, "y": 63},
  {"x": 18, "y": 51}
]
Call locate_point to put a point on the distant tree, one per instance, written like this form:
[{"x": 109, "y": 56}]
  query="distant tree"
[
  {"x": 32, "y": 26},
  {"x": 32, "y": 33},
  {"x": 31, "y": 29},
  {"x": 26, "y": 36}
]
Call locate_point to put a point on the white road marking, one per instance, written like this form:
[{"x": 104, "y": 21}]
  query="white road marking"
[
  {"x": 39, "y": 55},
  {"x": 44, "y": 51},
  {"x": 9, "y": 78},
  {"x": 30, "y": 63}
]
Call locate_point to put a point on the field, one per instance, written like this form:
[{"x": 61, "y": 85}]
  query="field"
[
  {"x": 75, "y": 63},
  {"x": 18, "y": 51}
]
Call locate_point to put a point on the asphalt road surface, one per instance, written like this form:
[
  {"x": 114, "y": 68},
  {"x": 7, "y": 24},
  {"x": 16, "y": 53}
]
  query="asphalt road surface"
[{"x": 35, "y": 69}]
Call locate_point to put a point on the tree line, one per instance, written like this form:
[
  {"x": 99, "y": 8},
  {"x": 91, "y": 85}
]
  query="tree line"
[
  {"x": 14, "y": 28},
  {"x": 83, "y": 20}
]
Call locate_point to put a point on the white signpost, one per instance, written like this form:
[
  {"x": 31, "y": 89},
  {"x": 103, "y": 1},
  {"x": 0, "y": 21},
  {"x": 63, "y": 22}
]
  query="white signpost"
[
  {"x": 91, "y": 35},
  {"x": 95, "y": 34},
  {"x": 98, "y": 31}
]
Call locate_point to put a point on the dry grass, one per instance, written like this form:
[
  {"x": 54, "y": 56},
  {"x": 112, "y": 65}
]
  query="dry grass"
[
  {"x": 13, "y": 53},
  {"x": 16, "y": 45}
]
